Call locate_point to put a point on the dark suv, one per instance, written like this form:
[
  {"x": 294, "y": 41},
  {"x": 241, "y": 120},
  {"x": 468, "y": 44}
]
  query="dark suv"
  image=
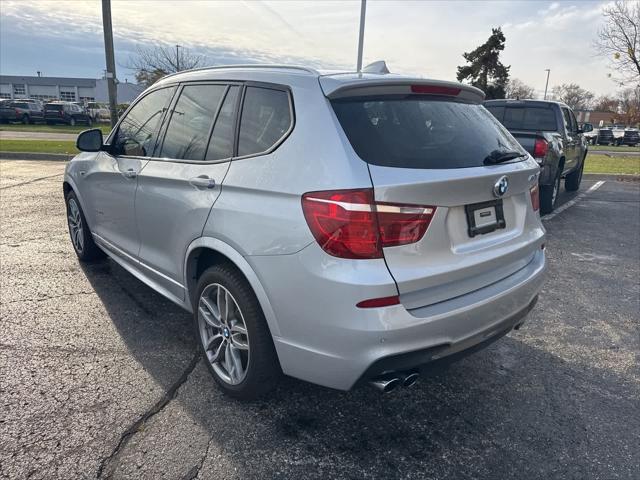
[
  {"x": 21, "y": 111},
  {"x": 66, "y": 112}
]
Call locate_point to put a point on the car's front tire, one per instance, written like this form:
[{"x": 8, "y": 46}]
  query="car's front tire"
[
  {"x": 81, "y": 237},
  {"x": 233, "y": 335}
]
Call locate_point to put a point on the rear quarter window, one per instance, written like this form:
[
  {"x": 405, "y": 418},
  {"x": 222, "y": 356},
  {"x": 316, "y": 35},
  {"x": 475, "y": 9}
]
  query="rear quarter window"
[
  {"x": 421, "y": 132},
  {"x": 266, "y": 119}
]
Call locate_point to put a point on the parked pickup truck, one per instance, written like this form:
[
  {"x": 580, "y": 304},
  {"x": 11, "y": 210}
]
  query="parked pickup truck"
[{"x": 550, "y": 133}]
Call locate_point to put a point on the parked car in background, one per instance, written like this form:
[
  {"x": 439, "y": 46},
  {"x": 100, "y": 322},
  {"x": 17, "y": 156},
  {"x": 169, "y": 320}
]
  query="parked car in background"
[
  {"x": 549, "y": 132},
  {"x": 98, "y": 112},
  {"x": 605, "y": 137},
  {"x": 20, "y": 111},
  {"x": 66, "y": 112},
  {"x": 631, "y": 137},
  {"x": 342, "y": 229}
]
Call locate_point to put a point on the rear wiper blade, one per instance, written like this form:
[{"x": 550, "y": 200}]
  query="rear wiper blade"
[{"x": 498, "y": 157}]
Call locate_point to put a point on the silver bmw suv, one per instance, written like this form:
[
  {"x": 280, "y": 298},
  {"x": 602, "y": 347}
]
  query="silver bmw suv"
[{"x": 340, "y": 228}]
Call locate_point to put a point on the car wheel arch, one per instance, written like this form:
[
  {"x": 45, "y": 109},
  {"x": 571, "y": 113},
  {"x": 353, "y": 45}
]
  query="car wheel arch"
[{"x": 207, "y": 251}]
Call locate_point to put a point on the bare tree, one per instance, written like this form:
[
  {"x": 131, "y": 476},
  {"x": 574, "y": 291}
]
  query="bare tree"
[
  {"x": 629, "y": 101},
  {"x": 618, "y": 40},
  {"x": 518, "y": 89},
  {"x": 605, "y": 103},
  {"x": 576, "y": 97},
  {"x": 153, "y": 63}
]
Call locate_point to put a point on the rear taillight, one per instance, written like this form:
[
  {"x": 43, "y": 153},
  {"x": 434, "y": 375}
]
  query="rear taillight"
[
  {"x": 17, "y": 111},
  {"x": 540, "y": 148},
  {"x": 535, "y": 197},
  {"x": 350, "y": 224}
]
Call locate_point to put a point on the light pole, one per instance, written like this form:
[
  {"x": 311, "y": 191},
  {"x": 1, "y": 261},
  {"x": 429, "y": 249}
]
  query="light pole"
[
  {"x": 177, "y": 59},
  {"x": 110, "y": 73},
  {"x": 547, "y": 84},
  {"x": 363, "y": 11}
]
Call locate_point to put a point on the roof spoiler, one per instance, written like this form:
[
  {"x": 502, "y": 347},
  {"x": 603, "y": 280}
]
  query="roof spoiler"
[{"x": 388, "y": 85}]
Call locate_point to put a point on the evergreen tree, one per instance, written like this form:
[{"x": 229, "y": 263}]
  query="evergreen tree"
[{"x": 485, "y": 70}]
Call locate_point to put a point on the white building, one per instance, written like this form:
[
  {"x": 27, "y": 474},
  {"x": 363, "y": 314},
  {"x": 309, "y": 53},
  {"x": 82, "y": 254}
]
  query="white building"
[{"x": 64, "y": 88}]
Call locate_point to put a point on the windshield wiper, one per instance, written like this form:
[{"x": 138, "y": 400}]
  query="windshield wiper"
[{"x": 498, "y": 157}]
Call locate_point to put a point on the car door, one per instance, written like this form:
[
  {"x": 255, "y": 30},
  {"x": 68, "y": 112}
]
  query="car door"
[
  {"x": 177, "y": 190},
  {"x": 109, "y": 184},
  {"x": 571, "y": 140}
]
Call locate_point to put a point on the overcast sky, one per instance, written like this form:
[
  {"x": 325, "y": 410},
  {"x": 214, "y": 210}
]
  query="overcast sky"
[{"x": 64, "y": 38}]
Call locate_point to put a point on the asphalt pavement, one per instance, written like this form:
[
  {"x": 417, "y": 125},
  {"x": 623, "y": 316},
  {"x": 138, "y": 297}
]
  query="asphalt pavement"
[{"x": 99, "y": 376}]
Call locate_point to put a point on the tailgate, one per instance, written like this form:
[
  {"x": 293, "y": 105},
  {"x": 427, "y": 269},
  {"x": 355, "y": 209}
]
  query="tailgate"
[
  {"x": 437, "y": 150},
  {"x": 447, "y": 262}
]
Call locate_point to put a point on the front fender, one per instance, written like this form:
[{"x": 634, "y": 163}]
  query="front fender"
[{"x": 246, "y": 269}]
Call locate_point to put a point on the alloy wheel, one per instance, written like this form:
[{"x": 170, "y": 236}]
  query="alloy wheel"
[
  {"x": 223, "y": 333},
  {"x": 75, "y": 225}
]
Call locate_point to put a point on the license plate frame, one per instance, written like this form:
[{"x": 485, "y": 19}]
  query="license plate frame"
[{"x": 475, "y": 209}]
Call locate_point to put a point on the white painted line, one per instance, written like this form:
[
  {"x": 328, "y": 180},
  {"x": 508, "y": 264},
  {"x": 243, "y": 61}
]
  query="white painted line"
[{"x": 571, "y": 203}]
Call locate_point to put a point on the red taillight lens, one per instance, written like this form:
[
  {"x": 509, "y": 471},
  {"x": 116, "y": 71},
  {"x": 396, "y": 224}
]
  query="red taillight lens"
[
  {"x": 535, "y": 197},
  {"x": 349, "y": 224},
  {"x": 435, "y": 90},
  {"x": 379, "y": 302},
  {"x": 540, "y": 148},
  {"x": 17, "y": 111}
]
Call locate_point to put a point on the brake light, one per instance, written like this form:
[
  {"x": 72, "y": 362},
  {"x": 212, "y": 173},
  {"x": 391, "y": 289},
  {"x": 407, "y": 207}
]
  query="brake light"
[
  {"x": 17, "y": 111},
  {"x": 535, "y": 197},
  {"x": 350, "y": 224},
  {"x": 540, "y": 148},
  {"x": 435, "y": 90}
]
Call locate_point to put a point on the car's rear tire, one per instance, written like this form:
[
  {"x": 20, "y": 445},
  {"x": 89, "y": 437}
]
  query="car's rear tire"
[
  {"x": 549, "y": 195},
  {"x": 81, "y": 238},
  {"x": 572, "y": 181},
  {"x": 244, "y": 365}
]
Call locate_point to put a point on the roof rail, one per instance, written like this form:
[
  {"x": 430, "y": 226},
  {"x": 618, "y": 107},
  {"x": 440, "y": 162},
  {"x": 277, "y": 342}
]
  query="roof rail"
[{"x": 251, "y": 65}]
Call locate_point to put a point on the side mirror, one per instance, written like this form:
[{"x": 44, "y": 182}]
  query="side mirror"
[
  {"x": 90, "y": 140},
  {"x": 587, "y": 127}
]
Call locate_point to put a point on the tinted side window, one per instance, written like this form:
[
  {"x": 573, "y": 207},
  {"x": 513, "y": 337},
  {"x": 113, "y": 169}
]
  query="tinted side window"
[
  {"x": 567, "y": 119},
  {"x": 138, "y": 130},
  {"x": 191, "y": 121},
  {"x": 266, "y": 117},
  {"x": 221, "y": 143}
]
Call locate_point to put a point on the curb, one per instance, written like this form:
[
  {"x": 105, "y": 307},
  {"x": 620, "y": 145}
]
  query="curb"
[{"x": 60, "y": 157}]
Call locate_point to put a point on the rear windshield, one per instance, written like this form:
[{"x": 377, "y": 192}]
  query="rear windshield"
[
  {"x": 418, "y": 132},
  {"x": 53, "y": 107},
  {"x": 525, "y": 118}
]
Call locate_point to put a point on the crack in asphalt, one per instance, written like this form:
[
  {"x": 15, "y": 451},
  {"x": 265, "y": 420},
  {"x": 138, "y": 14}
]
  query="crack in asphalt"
[
  {"x": 194, "y": 473},
  {"x": 126, "y": 436},
  {"x": 30, "y": 181},
  {"x": 47, "y": 297}
]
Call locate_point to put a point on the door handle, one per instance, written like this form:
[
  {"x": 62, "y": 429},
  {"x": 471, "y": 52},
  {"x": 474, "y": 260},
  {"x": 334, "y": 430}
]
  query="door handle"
[
  {"x": 131, "y": 173},
  {"x": 203, "y": 182}
]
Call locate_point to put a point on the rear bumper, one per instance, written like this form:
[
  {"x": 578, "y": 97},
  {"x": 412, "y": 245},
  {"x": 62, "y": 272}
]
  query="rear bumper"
[{"x": 326, "y": 340}]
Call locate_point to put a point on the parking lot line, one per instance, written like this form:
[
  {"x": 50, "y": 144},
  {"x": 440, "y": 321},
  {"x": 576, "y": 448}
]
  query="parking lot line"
[{"x": 571, "y": 203}]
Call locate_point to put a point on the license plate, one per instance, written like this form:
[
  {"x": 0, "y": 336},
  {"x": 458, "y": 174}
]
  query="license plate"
[{"x": 484, "y": 217}]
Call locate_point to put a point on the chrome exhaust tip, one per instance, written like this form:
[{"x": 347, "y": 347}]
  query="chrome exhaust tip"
[
  {"x": 385, "y": 385},
  {"x": 410, "y": 379}
]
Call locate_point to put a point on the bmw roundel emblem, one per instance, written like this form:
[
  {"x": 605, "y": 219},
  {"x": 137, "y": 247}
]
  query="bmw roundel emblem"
[{"x": 501, "y": 186}]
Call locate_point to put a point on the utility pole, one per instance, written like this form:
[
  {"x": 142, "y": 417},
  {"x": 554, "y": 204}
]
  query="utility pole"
[
  {"x": 547, "y": 84},
  {"x": 363, "y": 11},
  {"x": 177, "y": 59},
  {"x": 110, "y": 74}
]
